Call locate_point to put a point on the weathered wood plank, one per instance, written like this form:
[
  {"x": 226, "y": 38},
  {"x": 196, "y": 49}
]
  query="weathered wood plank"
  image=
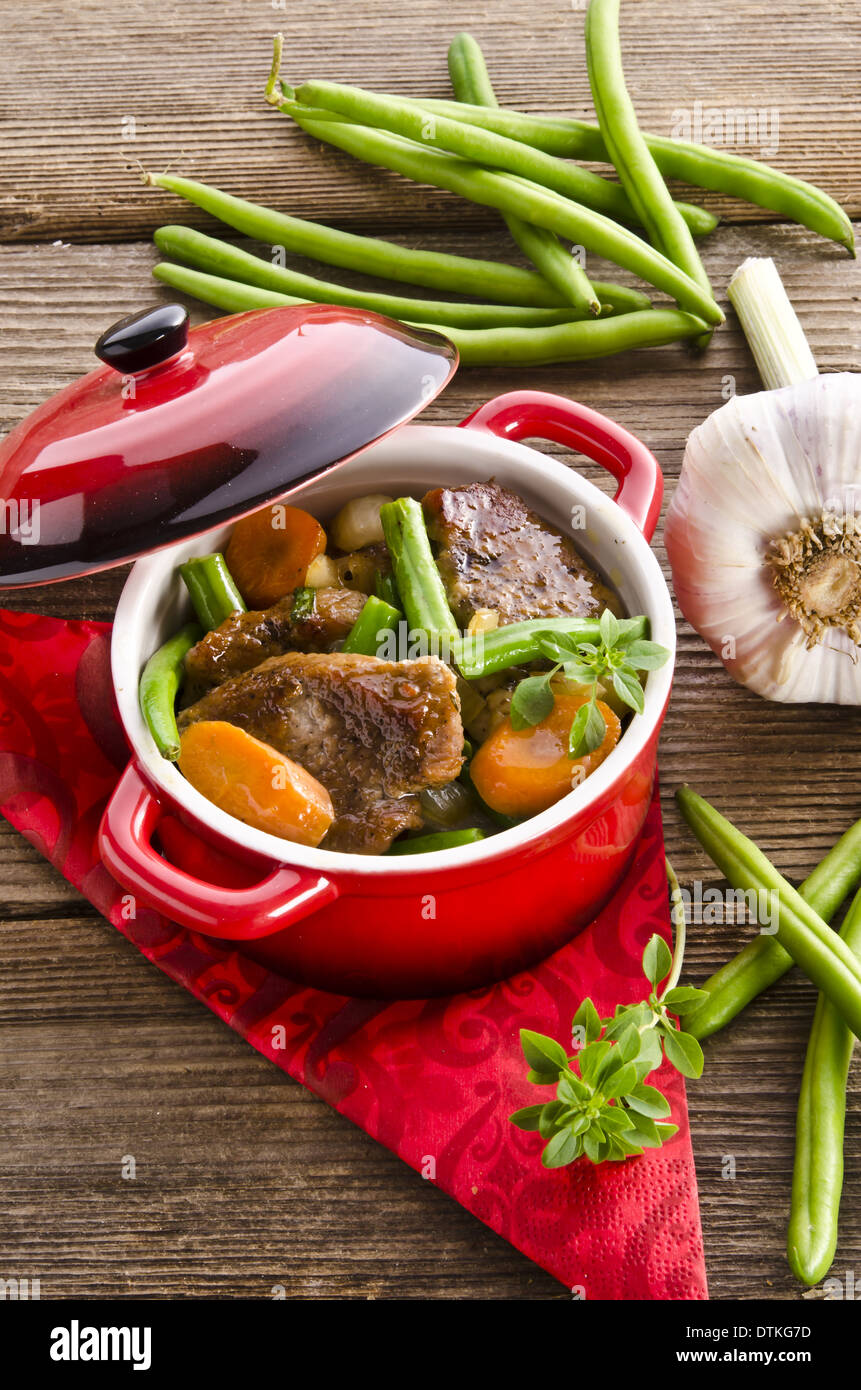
[
  {"x": 245, "y": 1180},
  {"x": 185, "y": 82}
]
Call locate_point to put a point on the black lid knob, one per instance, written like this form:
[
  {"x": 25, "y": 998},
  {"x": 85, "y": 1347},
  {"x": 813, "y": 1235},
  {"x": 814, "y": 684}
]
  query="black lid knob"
[{"x": 145, "y": 339}]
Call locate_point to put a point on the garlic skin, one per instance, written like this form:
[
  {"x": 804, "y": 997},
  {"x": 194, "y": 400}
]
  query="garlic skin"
[{"x": 756, "y": 470}]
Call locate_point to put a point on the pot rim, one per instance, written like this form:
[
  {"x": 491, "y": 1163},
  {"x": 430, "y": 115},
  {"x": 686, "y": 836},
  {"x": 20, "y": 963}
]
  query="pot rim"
[{"x": 579, "y": 805}]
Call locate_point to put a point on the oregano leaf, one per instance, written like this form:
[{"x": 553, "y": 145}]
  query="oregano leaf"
[
  {"x": 532, "y": 702},
  {"x": 685, "y": 1053},
  {"x": 587, "y": 731},
  {"x": 629, "y": 690},
  {"x": 527, "y": 1118},
  {"x": 543, "y": 1054},
  {"x": 657, "y": 960},
  {"x": 587, "y": 1018},
  {"x": 645, "y": 656}
]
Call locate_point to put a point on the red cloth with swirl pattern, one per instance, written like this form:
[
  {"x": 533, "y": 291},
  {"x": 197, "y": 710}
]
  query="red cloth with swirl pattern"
[{"x": 433, "y": 1080}]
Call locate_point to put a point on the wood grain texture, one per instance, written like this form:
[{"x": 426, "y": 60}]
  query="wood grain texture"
[
  {"x": 90, "y": 92},
  {"x": 244, "y": 1179}
]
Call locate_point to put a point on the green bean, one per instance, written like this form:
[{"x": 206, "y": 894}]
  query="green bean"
[
  {"x": 508, "y": 193},
  {"x": 699, "y": 165},
  {"x": 505, "y": 284},
  {"x": 444, "y": 805},
  {"x": 386, "y": 589},
  {"x": 160, "y": 680},
  {"x": 632, "y": 159},
  {"x": 218, "y": 258},
  {"x": 763, "y": 960},
  {"x": 516, "y": 643},
  {"x": 376, "y": 618},
  {"x": 570, "y": 342},
  {"x": 559, "y": 267},
  {"x": 816, "y": 949},
  {"x": 212, "y": 589},
  {"x": 443, "y": 839},
  {"x": 485, "y": 147},
  {"x": 471, "y": 82},
  {"x": 400, "y": 118},
  {"x": 818, "y": 1173},
  {"x": 416, "y": 575}
]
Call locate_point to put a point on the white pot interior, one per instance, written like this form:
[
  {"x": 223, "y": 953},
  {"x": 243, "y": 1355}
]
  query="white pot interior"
[{"x": 154, "y": 604}]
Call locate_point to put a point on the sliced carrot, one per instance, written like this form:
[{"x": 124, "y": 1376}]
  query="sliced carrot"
[
  {"x": 254, "y": 782},
  {"x": 520, "y": 772},
  {"x": 269, "y": 552}
]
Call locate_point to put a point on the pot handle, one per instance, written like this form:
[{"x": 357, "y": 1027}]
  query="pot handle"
[
  {"x": 281, "y": 899},
  {"x": 539, "y": 415}
]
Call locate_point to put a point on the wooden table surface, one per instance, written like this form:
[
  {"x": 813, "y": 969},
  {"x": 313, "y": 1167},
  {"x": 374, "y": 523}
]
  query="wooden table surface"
[{"x": 244, "y": 1179}]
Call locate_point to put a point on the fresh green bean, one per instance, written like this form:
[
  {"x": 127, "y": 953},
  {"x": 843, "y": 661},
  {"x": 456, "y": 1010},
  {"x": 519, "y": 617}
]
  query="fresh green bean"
[
  {"x": 699, "y": 165},
  {"x": 472, "y": 142},
  {"x": 818, "y": 1173},
  {"x": 639, "y": 174},
  {"x": 816, "y": 949},
  {"x": 763, "y": 960},
  {"x": 443, "y": 839},
  {"x": 516, "y": 643},
  {"x": 504, "y": 284},
  {"x": 443, "y": 805},
  {"x": 570, "y": 342},
  {"x": 416, "y": 575},
  {"x": 400, "y": 118},
  {"x": 377, "y": 617},
  {"x": 160, "y": 680},
  {"x": 218, "y": 258},
  {"x": 386, "y": 589},
  {"x": 212, "y": 589},
  {"x": 471, "y": 82},
  {"x": 508, "y": 193}
]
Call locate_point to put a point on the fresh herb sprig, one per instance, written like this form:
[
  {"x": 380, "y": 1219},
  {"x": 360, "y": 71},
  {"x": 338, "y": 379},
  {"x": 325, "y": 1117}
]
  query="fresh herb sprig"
[
  {"x": 603, "y": 1107},
  {"x": 615, "y": 660}
]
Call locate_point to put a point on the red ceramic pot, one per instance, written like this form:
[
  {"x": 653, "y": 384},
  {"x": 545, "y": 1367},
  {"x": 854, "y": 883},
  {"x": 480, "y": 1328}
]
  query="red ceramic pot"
[{"x": 456, "y": 919}]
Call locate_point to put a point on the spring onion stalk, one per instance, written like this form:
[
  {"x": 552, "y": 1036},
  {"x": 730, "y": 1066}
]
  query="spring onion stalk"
[
  {"x": 517, "y": 643},
  {"x": 212, "y": 589},
  {"x": 416, "y": 575},
  {"x": 817, "y": 1177},
  {"x": 763, "y": 961},
  {"x": 774, "y": 334},
  {"x": 376, "y": 618},
  {"x": 818, "y": 951}
]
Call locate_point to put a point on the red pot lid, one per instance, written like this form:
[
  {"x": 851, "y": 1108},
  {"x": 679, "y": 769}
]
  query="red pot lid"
[{"x": 181, "y": 431}]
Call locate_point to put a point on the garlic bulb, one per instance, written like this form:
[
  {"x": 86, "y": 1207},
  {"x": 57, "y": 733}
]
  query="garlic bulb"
[
  {"x": 763, "y": 542},
  {"x": 764, "y": 531}
]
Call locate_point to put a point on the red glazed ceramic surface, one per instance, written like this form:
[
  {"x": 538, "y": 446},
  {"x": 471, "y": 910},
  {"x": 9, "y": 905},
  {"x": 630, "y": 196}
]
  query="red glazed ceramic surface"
[{"x": 459, "y": 918}]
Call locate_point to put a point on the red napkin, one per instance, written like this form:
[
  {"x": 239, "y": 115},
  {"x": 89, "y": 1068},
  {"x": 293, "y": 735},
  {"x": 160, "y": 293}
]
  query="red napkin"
[{"x": 433, "y": 1080}]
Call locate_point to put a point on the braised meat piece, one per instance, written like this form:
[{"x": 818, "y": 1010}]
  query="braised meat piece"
[
  {"x": 375, "y": 733},
  {"x": 246, "y": 639},
  {"x": 493, "y": 552}
]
